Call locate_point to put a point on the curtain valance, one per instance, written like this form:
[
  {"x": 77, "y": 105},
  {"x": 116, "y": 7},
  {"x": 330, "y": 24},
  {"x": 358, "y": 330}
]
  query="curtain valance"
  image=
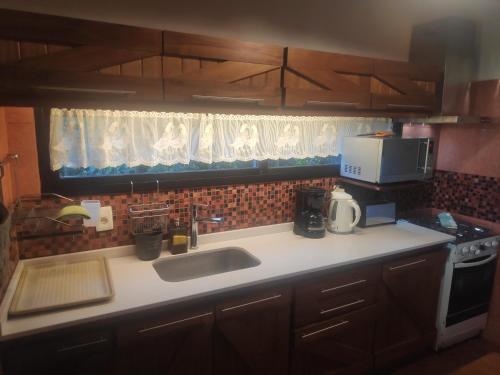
[{"x": 103, "y": 138}]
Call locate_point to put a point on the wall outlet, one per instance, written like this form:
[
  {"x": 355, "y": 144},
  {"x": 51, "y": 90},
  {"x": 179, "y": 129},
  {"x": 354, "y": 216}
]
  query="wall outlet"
[
  {"x": 94, "y": 209},
  {"x": 105, "y": 219}
]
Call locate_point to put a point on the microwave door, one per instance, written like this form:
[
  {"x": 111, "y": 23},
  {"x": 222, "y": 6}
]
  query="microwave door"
[{"x": 400, "y": 160}]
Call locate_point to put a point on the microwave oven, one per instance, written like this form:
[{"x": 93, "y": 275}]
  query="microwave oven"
[{"x": 390, "y": 159}]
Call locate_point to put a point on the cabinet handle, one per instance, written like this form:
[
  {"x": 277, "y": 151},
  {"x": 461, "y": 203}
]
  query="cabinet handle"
[
  {"x": 339, "y": 104},
  {"x": 325, "y": 329},
  {"x": 410, "y": 106},
  {"x": 343, "y": 286},
  {"x": 252, "y": 303},
  {"x": 343, "y": 306},
  {"x": 227, "y": 99},
  {"x": 407, "y": 264},
  {"x": 81, "y": 89},
  {"x": 101, "y": 340},
  {"x": 144, "y": 330}
]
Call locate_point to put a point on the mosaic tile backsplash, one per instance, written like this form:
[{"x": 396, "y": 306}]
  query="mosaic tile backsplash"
[
  {"x": 242, "y": 206},
  {"x": 250, "y": 205},
  {"x": 467, "y": 194}
]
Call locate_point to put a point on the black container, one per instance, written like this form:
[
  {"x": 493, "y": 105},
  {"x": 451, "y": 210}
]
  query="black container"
[{"x": 148, "y": 245}]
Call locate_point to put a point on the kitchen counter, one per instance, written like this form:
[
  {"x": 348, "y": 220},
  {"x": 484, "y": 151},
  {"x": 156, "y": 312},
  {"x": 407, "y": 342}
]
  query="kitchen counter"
[{"x": 282, "y": 254}]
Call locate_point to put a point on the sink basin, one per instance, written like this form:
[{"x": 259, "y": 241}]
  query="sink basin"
[{"x": 206, "y": 263}]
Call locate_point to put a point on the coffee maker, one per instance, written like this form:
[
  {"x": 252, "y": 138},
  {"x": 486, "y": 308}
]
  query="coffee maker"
[{"x": 309, "y": 220}]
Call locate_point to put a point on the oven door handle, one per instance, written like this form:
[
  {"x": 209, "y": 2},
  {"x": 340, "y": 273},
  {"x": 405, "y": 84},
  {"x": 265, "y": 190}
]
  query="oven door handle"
[{"x": 468, "y": 265}]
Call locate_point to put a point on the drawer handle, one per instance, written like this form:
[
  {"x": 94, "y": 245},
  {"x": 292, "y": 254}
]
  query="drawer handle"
[
  {"x": 409, "y": 106},
  {"x": 343, "y": 306},
  {"x": 339, "y": 104},
  {"x": 145, "y": 330},
  {"x": 252, "y": 303},
  {"x": 407, "y": 264},
  {"x": 101, "y": 340},
  {"x": 343, "y": 286},
  {"x": 229, "y": 99},
  {"x": 325, "y": 329}
]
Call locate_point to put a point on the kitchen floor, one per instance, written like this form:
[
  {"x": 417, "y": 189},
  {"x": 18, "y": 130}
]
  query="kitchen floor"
[{"x": 449, "y": 360}]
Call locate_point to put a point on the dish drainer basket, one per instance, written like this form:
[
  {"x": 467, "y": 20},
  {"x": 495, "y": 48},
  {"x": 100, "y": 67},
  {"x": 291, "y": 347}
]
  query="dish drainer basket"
[
  {"x": 148, "y": 217},
  {"x": 148, "y": 222}
]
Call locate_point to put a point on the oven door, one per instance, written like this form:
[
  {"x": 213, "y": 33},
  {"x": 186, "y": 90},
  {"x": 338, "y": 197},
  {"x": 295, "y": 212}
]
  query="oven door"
[{"x": 471, "y": 288}]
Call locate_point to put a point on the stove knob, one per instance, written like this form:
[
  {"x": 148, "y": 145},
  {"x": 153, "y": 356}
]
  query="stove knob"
[
  {"x": 477, "y": 252},
  {"x": 465, "y": 250},
  {"x": 494, "y": 243},
  {"x": 487, "y": 244},
  {"x": 474, "y": 249}
]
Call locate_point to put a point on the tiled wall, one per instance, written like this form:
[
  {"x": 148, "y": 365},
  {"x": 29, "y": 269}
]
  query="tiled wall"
[
  {"x": 242, "y": 206},
  {"x": 467, "y": 194}
]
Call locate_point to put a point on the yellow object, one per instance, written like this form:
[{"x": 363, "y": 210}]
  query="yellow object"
[
  {"x": 384, "y": 134},
  {"x": 73, "y": 211},
  {"x": 179, "y": 239}
]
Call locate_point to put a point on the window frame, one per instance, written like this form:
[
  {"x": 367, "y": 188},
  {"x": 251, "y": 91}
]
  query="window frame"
[{"x": 52, "y": 183}]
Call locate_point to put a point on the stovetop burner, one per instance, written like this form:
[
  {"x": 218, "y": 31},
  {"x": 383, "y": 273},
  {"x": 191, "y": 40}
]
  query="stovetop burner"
[{"x": 465, "y": 231}]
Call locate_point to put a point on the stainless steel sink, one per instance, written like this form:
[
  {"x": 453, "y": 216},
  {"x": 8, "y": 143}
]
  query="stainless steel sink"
[{"x": 206, "y": 263}]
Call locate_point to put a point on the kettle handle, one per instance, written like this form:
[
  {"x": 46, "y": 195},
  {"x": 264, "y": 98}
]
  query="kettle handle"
[{"x": 357, "y": 212}]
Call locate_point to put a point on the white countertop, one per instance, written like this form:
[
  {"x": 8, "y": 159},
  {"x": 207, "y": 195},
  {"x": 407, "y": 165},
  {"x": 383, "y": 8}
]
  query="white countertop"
[{"x": 282, "y": 254}]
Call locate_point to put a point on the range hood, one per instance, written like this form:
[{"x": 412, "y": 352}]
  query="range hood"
[{"x": 452, "y": 44}]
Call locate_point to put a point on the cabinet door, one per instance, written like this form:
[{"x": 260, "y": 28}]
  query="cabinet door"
[
  {"x": 342, "y": 345},
  {"x": 179, "y": 343},
  {"x": 402, "y": 86},
  {"x": 252, "y": 334},
  {"x": 321, "y": 80},
  {"x": 408, "y": 316},
  {"x": 213, "y": 70},
  {"x": 79, "y": 354}
]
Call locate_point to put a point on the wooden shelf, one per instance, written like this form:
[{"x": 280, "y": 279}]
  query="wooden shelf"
[{"x": 382, "y": 187}]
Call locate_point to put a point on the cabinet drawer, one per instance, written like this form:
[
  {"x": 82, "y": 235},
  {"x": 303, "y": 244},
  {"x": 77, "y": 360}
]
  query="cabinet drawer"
[
  {"x": 161, "y": 324},
  {"x": 342, "y": 345},
  {"x": 338, "y": 293},
  {"x": 326, "y": 308},
  {"x": 254, "y": 302}
]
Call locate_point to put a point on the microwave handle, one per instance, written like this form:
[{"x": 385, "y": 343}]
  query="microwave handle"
[
  {"x": 427, "y": 144},
  {"x": 484, "y": 261}
]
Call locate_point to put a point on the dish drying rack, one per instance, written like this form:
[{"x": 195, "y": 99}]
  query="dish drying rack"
[
  {"x": 148, "y": 217},
  {"x": 39, "y": 222}
]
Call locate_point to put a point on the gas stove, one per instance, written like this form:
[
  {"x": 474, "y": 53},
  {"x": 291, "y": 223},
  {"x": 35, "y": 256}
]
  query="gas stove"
[
  {"x": 467, "y": 282},
  {"x": 471, "y": 240}
]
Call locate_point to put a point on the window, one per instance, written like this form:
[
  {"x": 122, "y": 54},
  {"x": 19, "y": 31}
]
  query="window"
[{"x": 91, "y": 151}]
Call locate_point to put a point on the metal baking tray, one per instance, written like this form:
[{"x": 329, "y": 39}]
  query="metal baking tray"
[{"x": 57, "y": 285}]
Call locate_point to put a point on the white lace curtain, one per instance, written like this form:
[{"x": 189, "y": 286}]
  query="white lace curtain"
[{"x": 101, "y": 138}]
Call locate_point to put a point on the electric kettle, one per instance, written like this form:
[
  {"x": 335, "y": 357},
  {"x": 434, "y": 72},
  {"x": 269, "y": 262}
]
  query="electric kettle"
[{"x": 344, "y": 212}]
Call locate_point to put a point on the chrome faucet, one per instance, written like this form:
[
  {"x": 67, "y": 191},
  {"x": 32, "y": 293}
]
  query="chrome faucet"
[{"x": 195, "y": 220}]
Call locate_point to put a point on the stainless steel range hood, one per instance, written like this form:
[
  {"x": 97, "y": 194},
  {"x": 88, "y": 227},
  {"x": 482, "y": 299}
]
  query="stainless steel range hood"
[{"x": 452, "y": 44}]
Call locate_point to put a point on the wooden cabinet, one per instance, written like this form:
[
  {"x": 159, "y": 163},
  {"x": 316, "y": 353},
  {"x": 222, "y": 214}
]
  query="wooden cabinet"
[
  {"x": 171, "y": 343},
  {"x": 78, "y": 353},
  {"x": 333, "y": 81},
  {"x": 50, "y": 60},
  {"x": 252, "y": 334},
  {"x": 335, "y": 295},
  {"x": 342, "y": 345},
  {"x": 407, "y": 321},
  {"x": 342, "y": 322},
  {"x": 318, "y": 80},
  {"x": 207, "y": 69},
  {"x": 402, "y": 86}
]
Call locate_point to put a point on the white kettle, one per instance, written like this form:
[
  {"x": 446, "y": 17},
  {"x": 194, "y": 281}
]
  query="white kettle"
[{"x": 344, "y": 212}]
